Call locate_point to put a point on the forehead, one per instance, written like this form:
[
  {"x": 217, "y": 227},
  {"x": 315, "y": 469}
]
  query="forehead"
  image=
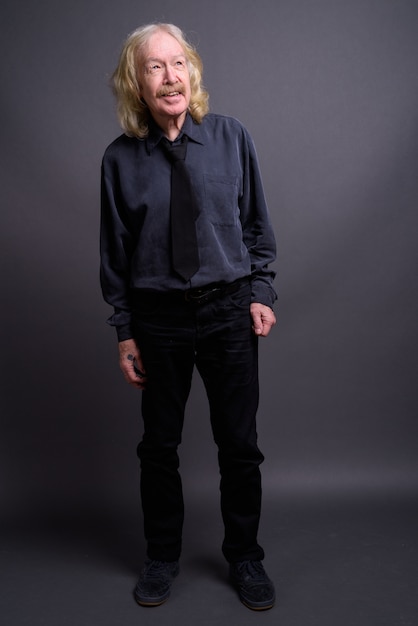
[{"x": 162, "y": 45}]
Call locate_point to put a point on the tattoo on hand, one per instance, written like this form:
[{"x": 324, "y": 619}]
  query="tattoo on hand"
[{"x": 137, "y": 371}]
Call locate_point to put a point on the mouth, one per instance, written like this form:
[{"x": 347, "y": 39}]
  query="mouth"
[{"x": 170, "y": 92}]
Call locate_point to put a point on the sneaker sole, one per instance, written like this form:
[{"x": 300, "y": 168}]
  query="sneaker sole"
[
  {"x": 151, "y": 603},
  {"x": 264, "y": 607}
]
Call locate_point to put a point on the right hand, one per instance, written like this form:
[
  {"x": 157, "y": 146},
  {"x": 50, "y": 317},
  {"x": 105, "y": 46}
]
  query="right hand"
[{"x": 131, "y": 364}]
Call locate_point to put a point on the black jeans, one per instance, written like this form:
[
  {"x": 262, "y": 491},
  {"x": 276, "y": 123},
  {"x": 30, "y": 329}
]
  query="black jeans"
[{"x": 173, "y": 336}]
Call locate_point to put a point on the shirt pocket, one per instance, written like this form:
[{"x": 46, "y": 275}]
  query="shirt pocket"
[{"x": 221, "y": 199}]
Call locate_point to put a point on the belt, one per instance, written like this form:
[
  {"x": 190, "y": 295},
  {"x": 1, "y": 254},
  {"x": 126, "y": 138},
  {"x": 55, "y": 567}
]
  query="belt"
[
  {"x": 201, "y": 295},
  {"x": 196, "y": 296}
]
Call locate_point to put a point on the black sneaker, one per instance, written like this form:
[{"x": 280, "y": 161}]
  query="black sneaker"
[
  {"x": 154, "y": 584},
  {"x": 255, "y": 588}
]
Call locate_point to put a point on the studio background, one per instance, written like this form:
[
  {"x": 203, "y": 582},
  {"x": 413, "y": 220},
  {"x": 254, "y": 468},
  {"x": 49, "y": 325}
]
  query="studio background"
[{"x": 329, "y": 92}]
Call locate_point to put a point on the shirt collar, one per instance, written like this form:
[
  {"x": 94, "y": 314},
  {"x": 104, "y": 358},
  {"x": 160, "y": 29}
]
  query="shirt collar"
[{"x": 189, "y": 128}]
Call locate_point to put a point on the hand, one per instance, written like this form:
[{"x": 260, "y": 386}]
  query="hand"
[
  {"x": 130, "y": 363},
  {"x": 263, "y": 318}
]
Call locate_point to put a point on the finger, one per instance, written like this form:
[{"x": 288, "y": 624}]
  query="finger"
[
  {"x": 137, "y": 365},
  {"x": 132, "y": 374},
  {"x": 257, "y": 323},
  {"x": 138, "y": 383},
  {"x": 266, "y": 329}
]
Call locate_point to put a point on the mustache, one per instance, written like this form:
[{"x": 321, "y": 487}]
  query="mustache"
[{"x": 166, "y": 89}]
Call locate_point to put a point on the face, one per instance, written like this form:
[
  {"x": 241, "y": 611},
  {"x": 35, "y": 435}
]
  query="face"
[{"x": 164, "y": 79}]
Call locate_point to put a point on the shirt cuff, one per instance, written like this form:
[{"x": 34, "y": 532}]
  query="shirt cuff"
[
  {"x": 124, "y": 332},
  {"x": 263, "y": 293}
]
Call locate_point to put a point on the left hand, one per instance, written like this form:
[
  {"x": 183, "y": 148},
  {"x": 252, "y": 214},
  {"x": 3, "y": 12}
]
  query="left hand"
[
  {"x": 130, "y": 362},
  {"x": 263, "y": 318}
]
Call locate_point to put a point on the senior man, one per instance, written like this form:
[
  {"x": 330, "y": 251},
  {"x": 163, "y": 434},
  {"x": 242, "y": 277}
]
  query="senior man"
[{"x": 186, "y": 243}]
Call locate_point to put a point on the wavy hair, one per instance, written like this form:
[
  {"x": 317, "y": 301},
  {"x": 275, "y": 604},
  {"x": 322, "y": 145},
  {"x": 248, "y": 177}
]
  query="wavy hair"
[{"x": 132, "y": 111}]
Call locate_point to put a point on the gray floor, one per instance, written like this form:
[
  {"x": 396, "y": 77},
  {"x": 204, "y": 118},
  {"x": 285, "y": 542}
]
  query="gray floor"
[{"x": 334, "y": 563}]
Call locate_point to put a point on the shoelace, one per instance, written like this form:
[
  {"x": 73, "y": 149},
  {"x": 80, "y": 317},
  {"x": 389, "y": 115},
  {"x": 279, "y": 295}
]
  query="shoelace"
[
  {"x": 156, "y": 569},
  {"x": 251, "y": 569}
]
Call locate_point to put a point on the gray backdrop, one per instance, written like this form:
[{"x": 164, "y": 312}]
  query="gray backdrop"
[{"x": 329, "y": 91}]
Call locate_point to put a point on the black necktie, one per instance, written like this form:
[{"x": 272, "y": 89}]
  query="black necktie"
[{"x": 183, "y": 212}]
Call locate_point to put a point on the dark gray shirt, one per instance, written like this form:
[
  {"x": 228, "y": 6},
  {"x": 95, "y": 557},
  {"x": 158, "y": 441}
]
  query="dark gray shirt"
[{"x": 234, "y": 232}]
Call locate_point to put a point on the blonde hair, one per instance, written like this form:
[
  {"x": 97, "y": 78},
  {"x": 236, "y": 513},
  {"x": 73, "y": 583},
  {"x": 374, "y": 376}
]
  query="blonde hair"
[{"x": 132, "y": 111}]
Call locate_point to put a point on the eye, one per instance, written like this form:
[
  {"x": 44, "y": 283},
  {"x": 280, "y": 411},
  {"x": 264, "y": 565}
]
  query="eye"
[{"x": 154, "y": 68}]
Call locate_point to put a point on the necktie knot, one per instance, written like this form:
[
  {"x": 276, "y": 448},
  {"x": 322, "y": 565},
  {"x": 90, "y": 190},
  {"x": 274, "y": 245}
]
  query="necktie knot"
[{"x": 175, "y": 151}]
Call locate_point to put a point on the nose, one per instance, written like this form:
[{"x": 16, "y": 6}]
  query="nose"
[{"x": 170, "y": 75}]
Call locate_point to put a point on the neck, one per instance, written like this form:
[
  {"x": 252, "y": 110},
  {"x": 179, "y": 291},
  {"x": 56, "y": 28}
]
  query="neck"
[{"x": 172, "y": 126}]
